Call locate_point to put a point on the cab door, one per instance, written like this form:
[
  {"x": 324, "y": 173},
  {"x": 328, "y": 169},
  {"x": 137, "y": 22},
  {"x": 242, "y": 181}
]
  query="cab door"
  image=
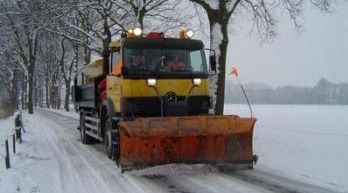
[{"x": 113, "y": 86}]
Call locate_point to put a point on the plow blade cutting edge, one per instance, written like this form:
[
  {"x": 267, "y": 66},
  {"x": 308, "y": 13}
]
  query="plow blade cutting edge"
[{"x": 218, "y": 140}]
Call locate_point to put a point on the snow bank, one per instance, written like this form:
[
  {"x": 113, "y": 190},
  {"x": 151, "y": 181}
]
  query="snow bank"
[
  {"x": 24, "y": 165},
  {"x": 6, "y": 128},
  {"x": 48, "y": 162}
]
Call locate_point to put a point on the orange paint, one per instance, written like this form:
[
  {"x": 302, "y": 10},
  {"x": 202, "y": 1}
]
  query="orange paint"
[{"x": 195, "y": 139}]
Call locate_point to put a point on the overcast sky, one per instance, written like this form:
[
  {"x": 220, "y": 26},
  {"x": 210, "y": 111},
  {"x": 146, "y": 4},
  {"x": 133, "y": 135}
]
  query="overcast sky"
[{"x": 320, "y": 50}]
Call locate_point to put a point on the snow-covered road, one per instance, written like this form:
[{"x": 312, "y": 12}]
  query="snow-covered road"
[{"x": 53, "y": 159}]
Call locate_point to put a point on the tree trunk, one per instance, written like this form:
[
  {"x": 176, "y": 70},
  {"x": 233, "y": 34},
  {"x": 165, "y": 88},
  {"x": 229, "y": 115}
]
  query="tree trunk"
[
  {"x": 32, "y": 46},
  {"x": 141, "y": 16},
  {"x": 219, "y": 108},
  {"x": 67, "y": 95},
  {"x": 86, "y": 56},
  {"x": 35, "y": 92},
  {"x": 58, "y": 96},
  {"x": 53, "y": 101},
  {"x": 41, "y": 97},
  {"x": 31, "y": 88},
  {"x": 218, "y": 42},
  {"x": 24, "y": 91},
  {"x": 47, "y": 95},
  {"x": 14, "y": 90}
]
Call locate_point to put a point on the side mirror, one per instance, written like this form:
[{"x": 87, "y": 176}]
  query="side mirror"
[{"x": 212, "y": 59}]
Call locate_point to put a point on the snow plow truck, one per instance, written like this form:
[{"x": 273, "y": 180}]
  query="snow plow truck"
[{"x": 148, "y": 101}]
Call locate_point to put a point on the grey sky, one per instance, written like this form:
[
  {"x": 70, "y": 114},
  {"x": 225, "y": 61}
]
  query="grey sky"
[{"x": 320, "y": 50}]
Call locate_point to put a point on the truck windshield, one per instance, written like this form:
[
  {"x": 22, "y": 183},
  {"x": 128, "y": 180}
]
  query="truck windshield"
[{"x": 164, "y": 61}]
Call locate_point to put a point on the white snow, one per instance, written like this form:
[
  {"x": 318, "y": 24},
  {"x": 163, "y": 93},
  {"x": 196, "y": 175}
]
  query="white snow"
[
  {"x": 213, "y": 4},
  {"x": 301, "y": 141},
  {"x": 216, "y": 39},
  {"x": 72, "y": 113},
  {"x": 6, "y": 129}
]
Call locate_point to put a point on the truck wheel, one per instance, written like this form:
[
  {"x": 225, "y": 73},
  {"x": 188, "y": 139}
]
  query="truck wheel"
[
  {"x": 86, "y": 139},
  {"x": 109, "y": 147}
]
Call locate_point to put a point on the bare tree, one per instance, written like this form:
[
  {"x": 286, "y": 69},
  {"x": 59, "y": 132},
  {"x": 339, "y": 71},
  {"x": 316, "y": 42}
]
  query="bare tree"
[
  {"x": 262, "y": 12},
  {"x": 66, "y": 69},
  {"x": 24, "y": 20},
  {"x": 155, "y": 14}
]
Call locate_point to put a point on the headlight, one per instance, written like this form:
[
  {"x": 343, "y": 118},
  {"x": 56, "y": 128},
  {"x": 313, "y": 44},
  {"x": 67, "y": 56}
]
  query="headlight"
[
  {"x": 189, "y": 33},
  {"x": 137, "y": 31},
  {"x": 197, "y": 81},
  {"x": 151, "y": 82}
]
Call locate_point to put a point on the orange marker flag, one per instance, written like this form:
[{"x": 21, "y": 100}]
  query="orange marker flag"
[{"x": 234, "y": 71}]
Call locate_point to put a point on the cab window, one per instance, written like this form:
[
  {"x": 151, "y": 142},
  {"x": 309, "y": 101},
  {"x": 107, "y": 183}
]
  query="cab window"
[
  {"x": 196, "y": 61},
  {"x": 115, "y": 65},
  {"x": 115, "y": 57}
]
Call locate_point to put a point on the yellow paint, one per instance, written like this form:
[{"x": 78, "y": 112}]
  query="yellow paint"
[
  {"x": 139, "y": 88},
  {"x": 113, "y": 91}
]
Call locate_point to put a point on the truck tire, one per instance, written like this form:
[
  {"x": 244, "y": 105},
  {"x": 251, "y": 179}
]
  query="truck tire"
[
  {"x": 111, "y": 139},
  {"x": 109, "y": 148},
  {"x": 86, "y": 139}
]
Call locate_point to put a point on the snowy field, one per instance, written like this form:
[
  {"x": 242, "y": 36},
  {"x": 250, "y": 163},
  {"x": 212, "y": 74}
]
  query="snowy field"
[{"x": 302, "y": 143}]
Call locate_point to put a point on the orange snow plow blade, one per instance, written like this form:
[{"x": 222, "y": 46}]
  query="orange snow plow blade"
[{"x": 217, "y": 140}]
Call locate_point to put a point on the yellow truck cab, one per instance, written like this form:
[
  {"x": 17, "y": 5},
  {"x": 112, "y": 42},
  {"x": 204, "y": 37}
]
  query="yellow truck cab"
[{"x": 171, "y": 65}]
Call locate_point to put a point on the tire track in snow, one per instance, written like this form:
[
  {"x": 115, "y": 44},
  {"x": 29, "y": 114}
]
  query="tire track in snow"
[{"x": 94, "y": 162}]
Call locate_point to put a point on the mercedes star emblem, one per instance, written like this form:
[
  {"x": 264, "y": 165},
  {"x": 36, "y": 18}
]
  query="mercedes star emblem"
[{"x": 171, "y": 97}]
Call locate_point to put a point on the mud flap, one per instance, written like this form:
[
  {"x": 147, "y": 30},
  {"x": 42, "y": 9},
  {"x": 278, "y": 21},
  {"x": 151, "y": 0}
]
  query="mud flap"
[{"x": 218, "y": 140}]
